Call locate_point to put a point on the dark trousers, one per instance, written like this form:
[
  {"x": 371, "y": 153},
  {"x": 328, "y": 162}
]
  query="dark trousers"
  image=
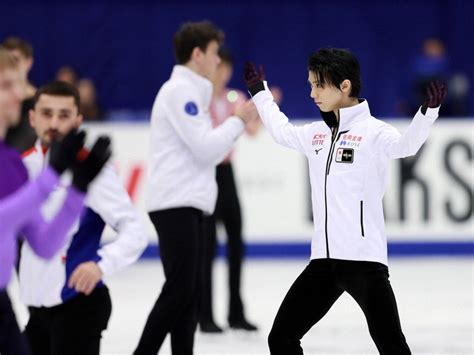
[
  {"x": 320, "y": 285},
  {"x": 180, "y": 236},
  {"x": 12, "y": 341},
  {"x": 228, "y": 212},
  {"x": 74, "y": 327}
]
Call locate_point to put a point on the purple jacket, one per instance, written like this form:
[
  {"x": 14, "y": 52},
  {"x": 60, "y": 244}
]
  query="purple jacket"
[{"x": 20, "y": 204}]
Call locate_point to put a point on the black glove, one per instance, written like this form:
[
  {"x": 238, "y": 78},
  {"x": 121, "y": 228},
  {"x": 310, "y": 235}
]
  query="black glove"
[
  {"x": 63, "y": 153},
  {"x": 253, "y": 78},
  {"x": 435, "y": 95},
  {"x": 86, "y": 169}
]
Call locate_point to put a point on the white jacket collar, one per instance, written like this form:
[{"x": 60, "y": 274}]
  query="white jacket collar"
[
  {"x": 40, "y": 148},
  {"x": 204, "y": 85},
  {"x": 347, "y": 116},
  {"x": 350, "y": 115},
  {"x": 41, "y": 152}
]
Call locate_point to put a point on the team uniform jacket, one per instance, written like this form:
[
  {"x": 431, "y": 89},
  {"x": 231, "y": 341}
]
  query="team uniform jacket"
[
  {"x": 185, "y": 149},
  {"x": 348, "y": 163},
  {"x": 44, "y": 282}
]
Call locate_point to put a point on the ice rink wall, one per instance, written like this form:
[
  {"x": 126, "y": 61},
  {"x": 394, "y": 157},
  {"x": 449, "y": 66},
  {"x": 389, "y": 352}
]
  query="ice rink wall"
[{"x": 428, "y": 204}]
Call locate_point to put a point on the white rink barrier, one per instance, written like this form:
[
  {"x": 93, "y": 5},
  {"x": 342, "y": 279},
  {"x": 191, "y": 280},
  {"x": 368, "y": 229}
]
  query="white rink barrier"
[{"x": 429, "y": 197}]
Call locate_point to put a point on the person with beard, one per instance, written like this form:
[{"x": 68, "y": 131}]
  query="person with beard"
[
  {"x": 69, "y": 303},
  {"x": 20, "y": 201}
]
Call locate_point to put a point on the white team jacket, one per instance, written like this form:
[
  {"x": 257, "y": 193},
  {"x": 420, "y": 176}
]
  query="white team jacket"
[
  {"x": 185, "y": 149},
  {"x": 44, "y": 282},
  {"x": 348, "y": 173}
]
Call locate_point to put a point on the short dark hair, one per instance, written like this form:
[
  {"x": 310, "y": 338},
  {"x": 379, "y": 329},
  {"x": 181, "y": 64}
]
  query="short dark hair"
[
  {"x": 226, "y": 55},
  {"x": 334, "y": 65},
  {"x": 58, "y": 88},
  {"x": 12, "y": 43},
  {"x": 192, "y": 35}
]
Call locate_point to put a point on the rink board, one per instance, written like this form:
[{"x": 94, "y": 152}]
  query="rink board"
[{"x": 428, "y": 212}]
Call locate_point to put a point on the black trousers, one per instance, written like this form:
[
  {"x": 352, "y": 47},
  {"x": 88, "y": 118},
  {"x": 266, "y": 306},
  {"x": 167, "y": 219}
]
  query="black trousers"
[
  {"x": 228, "y": 212},
  {"x": 320, "y": 285},
  {"x": 12, "y": 341},
  {"x": 180, "y": 236},
  {"x": 74, "y": 327}
]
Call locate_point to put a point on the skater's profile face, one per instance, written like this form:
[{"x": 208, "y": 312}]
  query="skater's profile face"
[
  {"x": 11, "y": 95},
  {"x": 53, "y": 117},
  {"x": 327, "y": 97},
  {"x": 208, "y": 60}
]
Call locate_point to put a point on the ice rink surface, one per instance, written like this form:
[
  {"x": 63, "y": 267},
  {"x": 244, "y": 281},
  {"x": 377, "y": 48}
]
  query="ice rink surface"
[{"x": 435, "y": 298}]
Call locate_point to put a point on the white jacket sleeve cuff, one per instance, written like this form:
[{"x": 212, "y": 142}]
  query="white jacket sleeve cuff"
[{"x": 431, "y": 113}]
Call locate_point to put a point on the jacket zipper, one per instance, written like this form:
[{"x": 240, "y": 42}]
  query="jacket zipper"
[
  {"x": 328, "y": 165},
  {"x": 334, "y": 138},
  {"x": 362, "y": 217},
  {"x": 331, "y": 151}
]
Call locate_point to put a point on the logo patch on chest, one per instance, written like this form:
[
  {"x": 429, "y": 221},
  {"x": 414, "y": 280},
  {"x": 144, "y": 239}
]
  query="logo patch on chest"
[
  {"x": 345, "y": 155},
  {"x": 350, "y": 140},
  {"x": 318, "y": 139}
]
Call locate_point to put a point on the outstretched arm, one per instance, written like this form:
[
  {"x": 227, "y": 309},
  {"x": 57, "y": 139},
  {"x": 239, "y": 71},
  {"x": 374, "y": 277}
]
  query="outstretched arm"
[
  {"x": 275, "y": 121},
  {"x": 398, "y": 145}
]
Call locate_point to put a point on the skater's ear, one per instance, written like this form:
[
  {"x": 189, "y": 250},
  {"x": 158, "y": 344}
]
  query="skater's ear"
[{"x": 346, "y": 87}]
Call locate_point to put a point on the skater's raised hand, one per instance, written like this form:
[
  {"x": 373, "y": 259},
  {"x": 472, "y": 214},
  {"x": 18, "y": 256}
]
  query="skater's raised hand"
[
  {"x": 253, "y": 78},
  {"x": 251, "y": 75},
  {"x": 435, "y": 95}
]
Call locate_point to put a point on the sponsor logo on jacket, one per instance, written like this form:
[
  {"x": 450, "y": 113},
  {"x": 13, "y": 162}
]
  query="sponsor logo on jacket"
[
  {"x": 345, "y": 155},
  {"x": 350, "y": 140},
  {"x": 318, "y": 139}
]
